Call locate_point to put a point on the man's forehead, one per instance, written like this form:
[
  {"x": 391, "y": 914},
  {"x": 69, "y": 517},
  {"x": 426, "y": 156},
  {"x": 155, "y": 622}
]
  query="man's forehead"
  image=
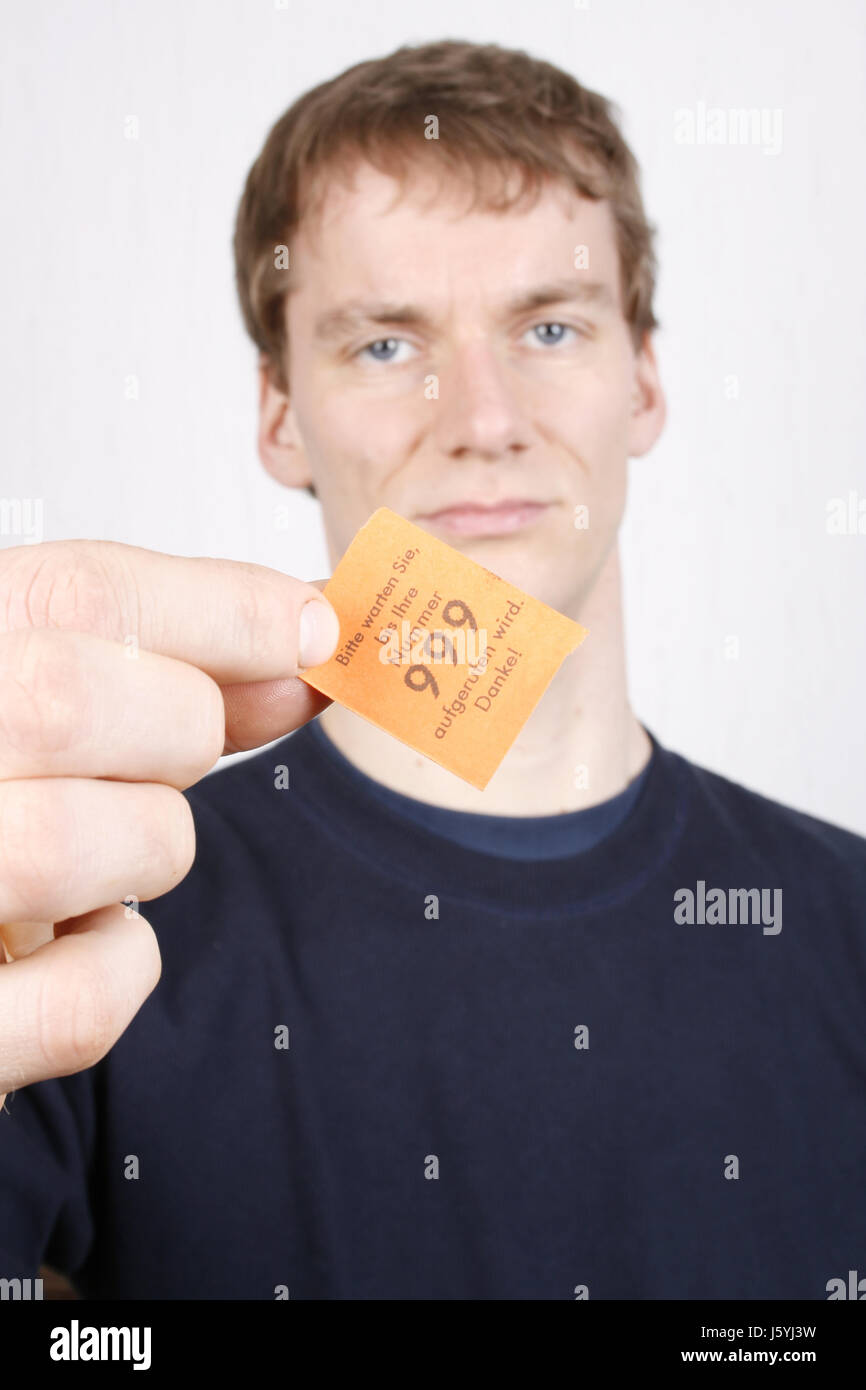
[
  {"x": 378, "y": 239},
  {"x": 362, "y": 194}
]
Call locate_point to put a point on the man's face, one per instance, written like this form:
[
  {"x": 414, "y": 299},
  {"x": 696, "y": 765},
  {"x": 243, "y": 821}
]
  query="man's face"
[{"x": 473, "y": 371}]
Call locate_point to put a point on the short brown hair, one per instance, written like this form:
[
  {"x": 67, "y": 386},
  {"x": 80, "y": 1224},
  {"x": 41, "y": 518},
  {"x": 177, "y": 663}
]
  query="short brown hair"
[{"x": 499, "y": 109}]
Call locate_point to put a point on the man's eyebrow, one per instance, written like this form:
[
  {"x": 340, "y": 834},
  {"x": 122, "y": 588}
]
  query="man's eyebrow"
[
  {"x": 563, "y": 291},
  {"x": 345, "y": 318}
]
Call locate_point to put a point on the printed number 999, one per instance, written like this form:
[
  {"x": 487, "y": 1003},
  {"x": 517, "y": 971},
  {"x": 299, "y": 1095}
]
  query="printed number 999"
[{"x": 456, "y": 614}]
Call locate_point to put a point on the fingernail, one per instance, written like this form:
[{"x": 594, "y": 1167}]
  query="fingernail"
[{"x": 319, "y": 633}]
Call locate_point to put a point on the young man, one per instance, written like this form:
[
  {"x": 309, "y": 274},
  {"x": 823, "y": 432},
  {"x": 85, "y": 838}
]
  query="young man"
[{"x": 622, "y": 1056}]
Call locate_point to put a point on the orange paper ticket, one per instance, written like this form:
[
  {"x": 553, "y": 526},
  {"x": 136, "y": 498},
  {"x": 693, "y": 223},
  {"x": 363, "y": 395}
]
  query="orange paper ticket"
[{"x": 436, "y": 649}]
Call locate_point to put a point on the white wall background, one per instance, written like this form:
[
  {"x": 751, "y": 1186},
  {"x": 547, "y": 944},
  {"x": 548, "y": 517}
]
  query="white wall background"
[{"x": 117, "y": 262}]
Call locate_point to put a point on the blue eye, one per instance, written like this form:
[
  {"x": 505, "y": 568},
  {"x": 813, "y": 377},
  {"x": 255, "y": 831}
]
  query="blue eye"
[
  {"x": 389, "y": 344},
  {"x": 562, "y": 328}
]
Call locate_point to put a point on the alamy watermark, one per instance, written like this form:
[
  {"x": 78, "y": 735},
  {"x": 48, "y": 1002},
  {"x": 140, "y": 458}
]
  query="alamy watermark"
[
  {"x": 77, "y": 1343},
  {"x": 846, "y": 516},
  {"x": 22, "y": 516},
  {"x": 417, "y": 646},
  {"x": 21, "y": 1290},
  {"x": 759, "y": 126},
  {"x": 734, "y": 906}
]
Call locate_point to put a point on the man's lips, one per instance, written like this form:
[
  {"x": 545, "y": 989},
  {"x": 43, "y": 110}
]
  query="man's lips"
[{"x": 479, "y": 519}]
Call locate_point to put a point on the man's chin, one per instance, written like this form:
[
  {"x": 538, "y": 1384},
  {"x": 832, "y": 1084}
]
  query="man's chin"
[{"x": 540, "y": 565}]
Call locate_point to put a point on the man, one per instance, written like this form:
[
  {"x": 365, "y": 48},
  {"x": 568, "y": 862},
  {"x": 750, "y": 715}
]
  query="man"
[{"x": 593, "y": 1032}]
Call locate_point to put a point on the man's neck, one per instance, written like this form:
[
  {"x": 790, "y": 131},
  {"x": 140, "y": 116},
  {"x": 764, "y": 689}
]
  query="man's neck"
[{"x": 580, "y": 746}]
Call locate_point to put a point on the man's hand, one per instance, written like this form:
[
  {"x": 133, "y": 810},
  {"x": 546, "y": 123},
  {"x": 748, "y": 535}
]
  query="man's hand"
[{"x": 124, "y": 676}]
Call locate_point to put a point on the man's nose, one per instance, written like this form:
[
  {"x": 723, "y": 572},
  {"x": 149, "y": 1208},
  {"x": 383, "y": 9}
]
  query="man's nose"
[{"x": 478, "y": 411}]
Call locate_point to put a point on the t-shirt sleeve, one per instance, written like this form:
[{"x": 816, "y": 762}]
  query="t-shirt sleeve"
[{"x": 46, "y": 1152}]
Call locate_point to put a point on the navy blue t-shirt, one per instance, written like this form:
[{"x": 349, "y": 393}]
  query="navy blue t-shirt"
[{"x": 381, "y": 1063}]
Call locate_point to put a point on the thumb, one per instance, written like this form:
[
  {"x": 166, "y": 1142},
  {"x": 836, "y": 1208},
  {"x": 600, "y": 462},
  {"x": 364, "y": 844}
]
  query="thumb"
[{"x": 257, "y": 712}]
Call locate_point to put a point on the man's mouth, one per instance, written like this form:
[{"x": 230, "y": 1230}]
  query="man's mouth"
[{"x": 479, "y": 519}]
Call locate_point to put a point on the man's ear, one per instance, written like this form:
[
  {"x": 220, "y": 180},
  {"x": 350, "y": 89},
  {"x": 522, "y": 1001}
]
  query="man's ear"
[
  {"x": 280, "y": 447},
  {"x": 649, "y": 409}
]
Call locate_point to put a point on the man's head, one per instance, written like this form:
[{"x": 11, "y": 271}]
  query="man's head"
[{"x": 465, "y": 321}]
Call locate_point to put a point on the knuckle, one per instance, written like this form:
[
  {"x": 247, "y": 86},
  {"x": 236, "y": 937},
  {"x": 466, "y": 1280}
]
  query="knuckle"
[
  {"x": 210, "y": 726},
  {"x": 65, "y": 584},
  {"x": 43, "y": 691},
  {"x": 260, "y": 612},
  {"x": 33, "y": 835},
  {"x": 150, "y": 969},
  {"x": 46, "y": 854},
  {"x": 76, "y": 1014},
  {"x": 166, "y": 844},
  {"x": 182, "y": 848}
]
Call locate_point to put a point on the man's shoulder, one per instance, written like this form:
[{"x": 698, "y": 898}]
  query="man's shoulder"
[{"x": 773, "y": 829}]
